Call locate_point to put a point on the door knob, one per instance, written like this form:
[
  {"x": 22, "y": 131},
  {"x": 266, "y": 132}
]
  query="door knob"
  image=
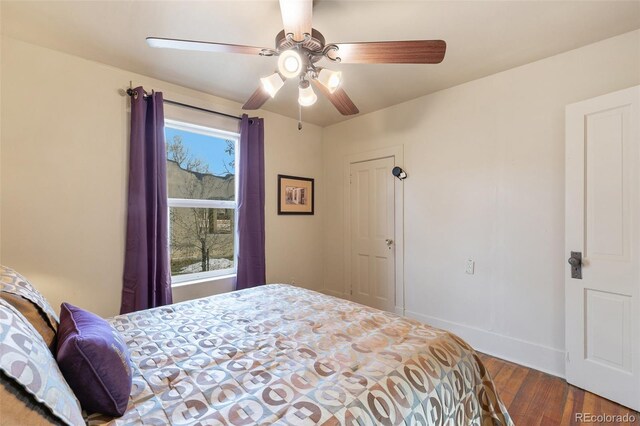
[
  {"x": 389, "y": 242},
  {"x": 576, "y": 264}
]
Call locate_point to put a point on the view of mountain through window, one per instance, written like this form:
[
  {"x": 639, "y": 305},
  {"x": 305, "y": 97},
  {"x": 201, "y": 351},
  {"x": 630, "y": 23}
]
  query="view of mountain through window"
[{"x": 201, "y": 166}]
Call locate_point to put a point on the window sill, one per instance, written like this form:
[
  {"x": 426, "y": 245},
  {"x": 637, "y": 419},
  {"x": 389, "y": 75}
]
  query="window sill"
[{"x": 203, "y": 280}]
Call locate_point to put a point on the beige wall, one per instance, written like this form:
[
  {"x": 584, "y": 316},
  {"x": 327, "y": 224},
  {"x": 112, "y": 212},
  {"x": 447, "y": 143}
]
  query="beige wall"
[
  {"x": 486, "y": 181},
  {"x": 64, "y": 174}
]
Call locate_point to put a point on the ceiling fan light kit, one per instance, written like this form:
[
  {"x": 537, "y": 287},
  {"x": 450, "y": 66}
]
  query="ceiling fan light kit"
[
  {"x": 290, "y": 63},
  {"x": 306, "y": 95},
  {"x": 299, "y": 47},
  {"x": 330, "y": 79},
  {"x": 272, "y": 84}
]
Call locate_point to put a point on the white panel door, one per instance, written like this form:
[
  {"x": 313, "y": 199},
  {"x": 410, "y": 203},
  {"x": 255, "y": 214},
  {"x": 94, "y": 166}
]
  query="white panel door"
[
  {"x": 603, "y": 223},
  {"x": 372, "y": 233}
]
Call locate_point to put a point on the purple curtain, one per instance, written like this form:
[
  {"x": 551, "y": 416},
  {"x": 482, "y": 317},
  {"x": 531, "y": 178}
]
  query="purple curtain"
[
  {"x": 251, "y": 257},
  {"x": 147, "y": 277}
]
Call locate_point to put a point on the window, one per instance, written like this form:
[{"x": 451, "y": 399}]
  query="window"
[{"x": 201, "y": 181}]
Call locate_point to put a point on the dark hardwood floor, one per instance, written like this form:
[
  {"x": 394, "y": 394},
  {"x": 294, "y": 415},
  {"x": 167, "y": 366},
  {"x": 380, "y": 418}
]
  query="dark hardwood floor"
[{"x": 536, "y": 398}]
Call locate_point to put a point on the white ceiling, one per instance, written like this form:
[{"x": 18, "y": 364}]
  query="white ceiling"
[{"x": 483, "y": 37}]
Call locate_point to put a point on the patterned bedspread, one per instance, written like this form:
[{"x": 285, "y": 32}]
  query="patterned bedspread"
[{"x": 284, "y": 355}]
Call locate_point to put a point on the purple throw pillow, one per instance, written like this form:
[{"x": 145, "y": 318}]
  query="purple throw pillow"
[{"x": 94, "y": 360}]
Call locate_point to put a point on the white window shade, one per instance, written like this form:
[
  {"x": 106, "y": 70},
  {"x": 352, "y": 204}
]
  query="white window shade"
[{"x": 201, "y": 118}]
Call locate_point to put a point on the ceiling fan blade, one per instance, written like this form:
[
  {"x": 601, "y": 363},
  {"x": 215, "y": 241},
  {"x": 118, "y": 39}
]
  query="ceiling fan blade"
[
  {"x": 202, "y": 46},
  {"x": 296, "y": 17},
  {"x": 339, "y": 99},
  {"x": 392, "y": 52},
  {"x": 257, "y": 99}
]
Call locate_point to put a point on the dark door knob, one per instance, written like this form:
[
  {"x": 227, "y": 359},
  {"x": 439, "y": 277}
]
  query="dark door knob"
[{"x": 576, "y": 264}]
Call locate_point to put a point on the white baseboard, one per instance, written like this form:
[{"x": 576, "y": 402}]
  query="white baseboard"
[{"x": 532, "y": 355}]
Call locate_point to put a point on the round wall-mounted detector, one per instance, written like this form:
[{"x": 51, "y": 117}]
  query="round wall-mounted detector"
[{"x": 399, "y": 173}]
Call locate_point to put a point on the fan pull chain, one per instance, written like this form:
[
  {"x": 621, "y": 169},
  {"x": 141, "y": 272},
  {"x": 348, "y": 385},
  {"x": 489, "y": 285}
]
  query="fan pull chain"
[{"x": 299, "y": 117}]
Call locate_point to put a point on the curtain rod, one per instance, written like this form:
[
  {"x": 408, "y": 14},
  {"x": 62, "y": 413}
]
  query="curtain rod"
[{"x": 131, "y": 92}]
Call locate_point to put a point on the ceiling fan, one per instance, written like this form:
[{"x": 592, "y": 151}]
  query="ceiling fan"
[{"x": 299, "y": 47}]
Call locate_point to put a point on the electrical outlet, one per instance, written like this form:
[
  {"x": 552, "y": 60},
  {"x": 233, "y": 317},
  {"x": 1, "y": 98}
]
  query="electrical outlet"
[{"x": 471, "y": 266}]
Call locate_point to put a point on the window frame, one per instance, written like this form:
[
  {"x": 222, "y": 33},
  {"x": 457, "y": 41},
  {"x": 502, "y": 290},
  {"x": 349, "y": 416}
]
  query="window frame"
[{"x": 178, "y": 280}]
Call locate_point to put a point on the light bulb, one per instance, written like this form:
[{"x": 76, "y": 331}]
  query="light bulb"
[
  {"x": 330, "y": 79},
  {"x": 272, "y": 84},
  {"x": 290, "y": 63},
  {"x": 306, "y": 95}
]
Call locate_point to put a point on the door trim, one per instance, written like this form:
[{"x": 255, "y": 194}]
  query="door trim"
[{"x": 397, "y": 152}]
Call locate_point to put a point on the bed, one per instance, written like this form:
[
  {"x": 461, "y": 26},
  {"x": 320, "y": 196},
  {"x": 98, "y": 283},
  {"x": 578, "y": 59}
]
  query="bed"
[
  {"x": 275, "y": 354},
  {"x": 279, "y": 354}
]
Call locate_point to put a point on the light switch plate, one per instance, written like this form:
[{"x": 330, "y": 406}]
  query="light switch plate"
[{"x": 471, "y": 266}]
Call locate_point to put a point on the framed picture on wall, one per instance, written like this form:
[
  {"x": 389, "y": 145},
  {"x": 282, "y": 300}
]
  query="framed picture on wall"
[{"x": 295, "y": 195}]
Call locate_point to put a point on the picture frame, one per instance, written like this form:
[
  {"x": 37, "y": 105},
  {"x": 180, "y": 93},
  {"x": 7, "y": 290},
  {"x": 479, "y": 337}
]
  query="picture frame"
[{"x": 296, "y": 195}]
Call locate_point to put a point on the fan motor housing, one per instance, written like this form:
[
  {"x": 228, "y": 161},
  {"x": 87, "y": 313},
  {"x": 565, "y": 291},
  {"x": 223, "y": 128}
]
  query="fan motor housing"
[{"x": 314, "y": 44}]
